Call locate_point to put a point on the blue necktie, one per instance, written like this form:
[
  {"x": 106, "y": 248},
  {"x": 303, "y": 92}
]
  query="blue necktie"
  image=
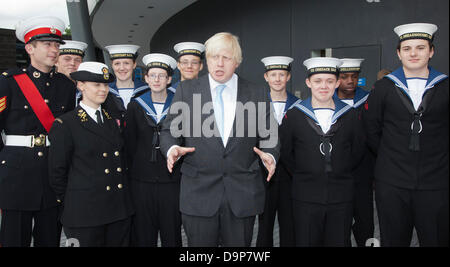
[{"x": 219, "y": 111}]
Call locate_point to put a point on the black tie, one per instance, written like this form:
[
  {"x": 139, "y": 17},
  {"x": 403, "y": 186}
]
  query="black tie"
[{"x": 99, "y": 118}]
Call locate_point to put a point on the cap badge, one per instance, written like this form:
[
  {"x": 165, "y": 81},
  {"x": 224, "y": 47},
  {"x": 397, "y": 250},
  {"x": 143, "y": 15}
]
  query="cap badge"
[
  {"x": 53, "y": 30},
  {"x": 105, "y": 73}
]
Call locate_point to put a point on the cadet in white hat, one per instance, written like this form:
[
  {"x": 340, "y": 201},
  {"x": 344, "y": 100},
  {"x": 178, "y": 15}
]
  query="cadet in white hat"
[
  {"x": 30, "y": 99},
  {"x": 154, "y": 188},
  {"x": 406, "y": 114},
  {"x": 190, "y": 59},
  {"x": 278, "y": 190},
  {"x": 87, "y": 152},
  {"x": 322, "y": 144},
  {"x": 125, "y": 87},
  {"x": 70, "y": 56},
  {"x": 349, "y": 92}
]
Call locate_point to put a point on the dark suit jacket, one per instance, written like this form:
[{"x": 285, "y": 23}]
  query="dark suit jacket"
[
  {"x": 87, "y": 170},
  {"x": 213, "y": 171}
]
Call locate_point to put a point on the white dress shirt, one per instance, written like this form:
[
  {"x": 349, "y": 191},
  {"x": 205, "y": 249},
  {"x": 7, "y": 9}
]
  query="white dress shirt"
[
  {"x": 159, "y": 109},
  {"x": 125, "y": 94},
  {"x": 416, "y": 87},
  {"x": 229, "y": 96},
  {"x": 279, "y": 110},
  {"x": 91, "y": 111},
  {"x": 324, "y": 116}
]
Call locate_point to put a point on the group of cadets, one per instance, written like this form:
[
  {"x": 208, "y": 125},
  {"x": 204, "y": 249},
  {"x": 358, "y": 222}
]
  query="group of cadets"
[{"x": 80, "y": 147}]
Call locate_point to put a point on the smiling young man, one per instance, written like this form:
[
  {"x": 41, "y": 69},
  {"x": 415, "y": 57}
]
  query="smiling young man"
[
  {"x": 407, "y": 126},
  {"x": 30, "y": 99},
  {"x": 278, "y": 198},
  {"x": 70, "y": 57},
  {"x": 154, "y": 188},
  {"x": 189, "y": 63},
  {"x": 321, "y": 145}
]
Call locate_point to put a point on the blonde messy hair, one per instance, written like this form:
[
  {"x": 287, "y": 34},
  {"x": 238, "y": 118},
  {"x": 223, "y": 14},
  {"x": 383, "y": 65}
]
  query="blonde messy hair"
[{"x": 224, "y": 40}]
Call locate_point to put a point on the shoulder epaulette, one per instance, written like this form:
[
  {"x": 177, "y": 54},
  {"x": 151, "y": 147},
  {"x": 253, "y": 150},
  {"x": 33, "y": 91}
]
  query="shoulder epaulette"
[{"x": 12, "y": 72}]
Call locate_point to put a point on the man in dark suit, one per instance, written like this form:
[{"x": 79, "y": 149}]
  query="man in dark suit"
[{"x": 221, "y": 187}]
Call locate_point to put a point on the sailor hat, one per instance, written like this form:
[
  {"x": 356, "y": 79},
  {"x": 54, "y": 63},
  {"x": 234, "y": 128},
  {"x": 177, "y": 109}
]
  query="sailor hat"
[
  {"x": 277, "y": 63},
  {"x": 93, "y": 72},
  {"x": 156, "y": 60},
  {"x": 322, "y": 65},
  {"x": 189, "y": 48},
  {"x": 122, "y": 51},
  {"x": 43, "y": 28},
  {"x": 416, "y": 31},
  {"x": 351, "y": 65},
  {"x": 73, "y": 48}
]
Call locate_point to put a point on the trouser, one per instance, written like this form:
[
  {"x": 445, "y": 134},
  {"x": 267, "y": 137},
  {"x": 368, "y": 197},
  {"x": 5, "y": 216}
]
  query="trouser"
[
  {"x": 278, "y": 199},
  {"x": 156, "y": 210},
  {"x": 16, "y": 229},
  {"x": 224, "y": 229},
  {"x": 363, "y": 227},
  {"x": 400, "y": 210},
  {"x": 318, "y": 225},
  {"x": 116, "y": 234}
]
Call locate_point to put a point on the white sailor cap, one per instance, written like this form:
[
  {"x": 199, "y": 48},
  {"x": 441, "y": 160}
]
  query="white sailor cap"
[
  {"x": 277, "y": 63},
  {"x": 42, "y": 28},
  {"x": 122, "y": 51},
  {"x": 156, "y": 60},
  {"x": 91, "y": 71},
  {"x": 322, "y": 65},
  {"x": 416, "y": 31},
  {"x": 73, "y": 48},
  {"x": 189, "y": 48},
  {"x": 351, "y": 64}
]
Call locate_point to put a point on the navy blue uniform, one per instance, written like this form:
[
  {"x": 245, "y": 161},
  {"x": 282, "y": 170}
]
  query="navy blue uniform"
[{"x": 25, "y": 191}]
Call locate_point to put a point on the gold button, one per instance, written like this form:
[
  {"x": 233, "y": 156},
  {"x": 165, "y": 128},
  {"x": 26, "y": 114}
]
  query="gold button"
[
  {"x": 62, "y": 107},
  {"x": 108, "y": 188},
  {"x": 106, "y": 171},
  {"x": 46, "y": 101},
  {"x": 119, "y": 169},
  {"x": 4, "y": 161},
  {"x": 40, "y": 154},
  {"x": 116, "y": 153},
  {"x": 25, "y": 107},
  {"x": 24, "y": 69},
  {"x": 48, "y": 84},
  {"x": 105, "y": 155},
  {"x": 58, "y": 200},
  {"x": 120, "y": 186}
]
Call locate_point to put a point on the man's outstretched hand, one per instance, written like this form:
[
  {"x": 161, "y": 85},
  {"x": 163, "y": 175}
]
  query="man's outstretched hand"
[
  {"x": 176, "y": 153},
  {"x": 268, "y": 161}
]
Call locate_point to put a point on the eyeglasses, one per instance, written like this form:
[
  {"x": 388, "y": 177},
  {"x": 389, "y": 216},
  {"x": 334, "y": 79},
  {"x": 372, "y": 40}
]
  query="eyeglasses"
[
  {"x": 160, "y": 76},
  {"x": 186, "y": 63}
]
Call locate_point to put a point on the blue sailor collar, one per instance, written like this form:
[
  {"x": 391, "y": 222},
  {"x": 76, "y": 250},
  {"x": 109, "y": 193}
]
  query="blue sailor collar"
[
  {"x": 174, "y": 86},
  {"x": 145, "y": 101},
  {"x": 398, "y": 77},
  {"x": 290, "y": 101},
  {"x": 360, "y": 97},
  {"x": 139, "y": 86},
  {"x": 340, "y": 109}
]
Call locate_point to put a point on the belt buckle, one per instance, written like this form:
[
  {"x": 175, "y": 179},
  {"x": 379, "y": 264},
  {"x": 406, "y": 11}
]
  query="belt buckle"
[{"x": 38, "y": 140}]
